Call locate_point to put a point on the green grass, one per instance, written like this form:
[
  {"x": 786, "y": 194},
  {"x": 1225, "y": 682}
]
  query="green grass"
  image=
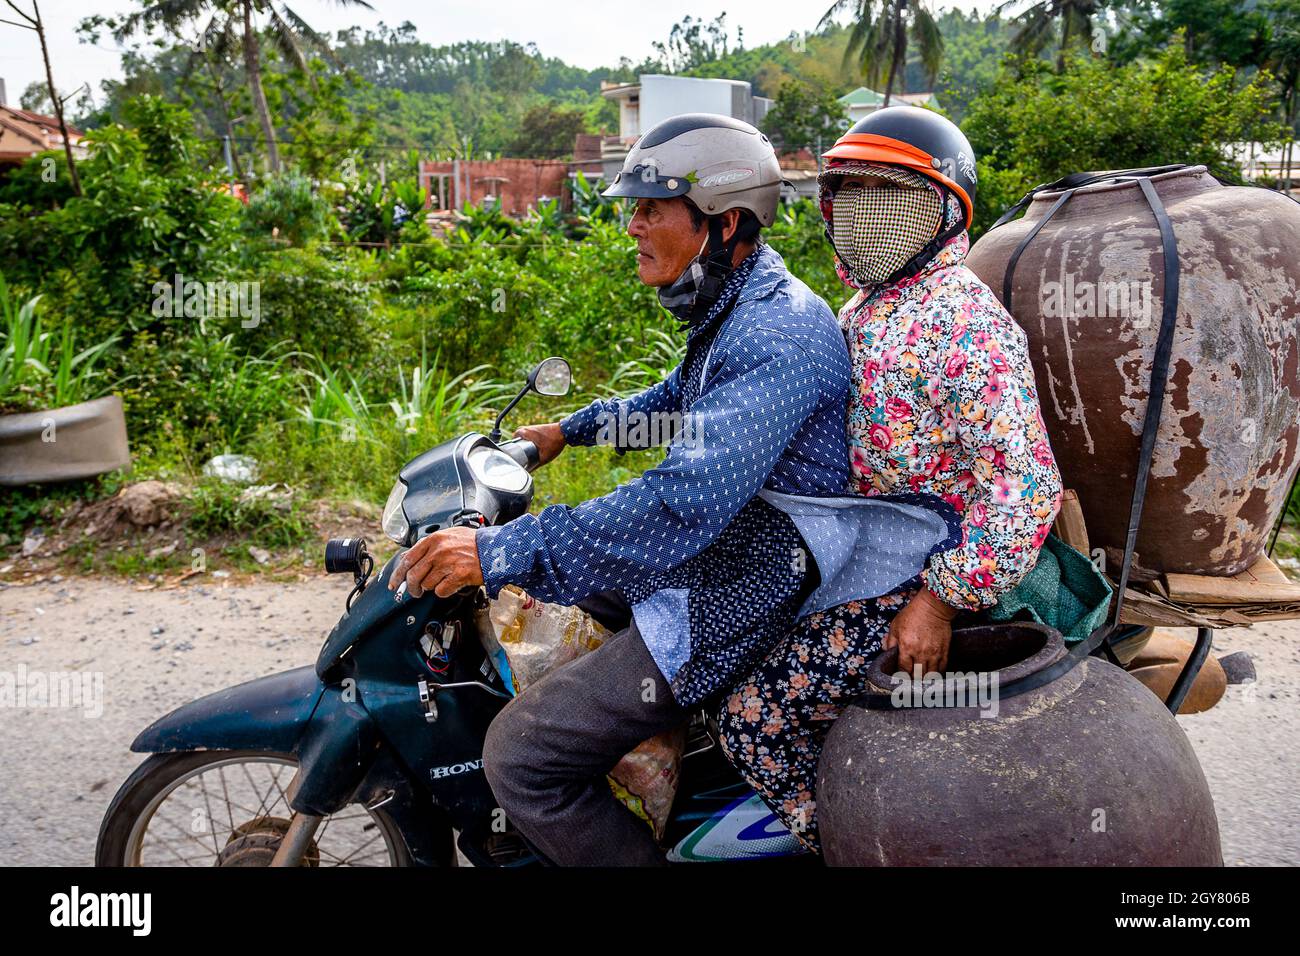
[
  {"x": 376, "y": 359},
  {"x": 218, "y": 508},
  {"x": 583, "y": 473}
]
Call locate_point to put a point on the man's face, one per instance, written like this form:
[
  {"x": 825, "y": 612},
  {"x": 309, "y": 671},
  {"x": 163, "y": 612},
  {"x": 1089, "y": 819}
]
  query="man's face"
[{"x": 666, "y": 239}]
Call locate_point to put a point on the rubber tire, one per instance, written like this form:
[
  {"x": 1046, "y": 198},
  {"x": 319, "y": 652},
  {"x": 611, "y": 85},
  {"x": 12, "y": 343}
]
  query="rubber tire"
[{"x": 160, "y": 771}]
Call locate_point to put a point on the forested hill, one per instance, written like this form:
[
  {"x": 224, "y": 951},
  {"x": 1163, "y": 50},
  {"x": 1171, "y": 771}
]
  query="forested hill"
[
  {"x": 396, "y": 58},
  {"x": 398, "y": 91}
]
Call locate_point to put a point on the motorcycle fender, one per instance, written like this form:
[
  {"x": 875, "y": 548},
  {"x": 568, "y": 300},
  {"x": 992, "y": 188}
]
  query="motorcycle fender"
[
  {"x": 264, "y": 714},
  {"x": 334, "y": 754}
]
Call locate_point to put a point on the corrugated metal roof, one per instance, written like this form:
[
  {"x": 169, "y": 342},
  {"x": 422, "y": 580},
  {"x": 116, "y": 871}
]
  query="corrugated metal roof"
[{"x": 862, "y": 97}]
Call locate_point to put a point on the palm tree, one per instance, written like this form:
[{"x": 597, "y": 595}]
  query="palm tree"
[
  {"x": 1038, "y": 25},
  {"x": 36, "y": 23},
  {"x": 230, "y": 21},
  {"x": 879, "y": 36},
  {"x": 1283, "y": 59}
]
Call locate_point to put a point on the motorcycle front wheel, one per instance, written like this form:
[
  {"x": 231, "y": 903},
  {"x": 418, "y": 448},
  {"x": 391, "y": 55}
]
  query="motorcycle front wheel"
[{"x": 228, "y": 808}]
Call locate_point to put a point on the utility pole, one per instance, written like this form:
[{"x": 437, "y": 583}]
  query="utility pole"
[
  {"x": 230, "y": 161},
  {"x": 37, "y": 26}
]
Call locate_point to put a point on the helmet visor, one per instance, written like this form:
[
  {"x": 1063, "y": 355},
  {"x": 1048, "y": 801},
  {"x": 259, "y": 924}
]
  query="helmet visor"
[{"x": 644, "y": 181}]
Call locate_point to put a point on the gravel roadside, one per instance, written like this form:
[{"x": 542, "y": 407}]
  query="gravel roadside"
[{"x": 156, "y": 649}]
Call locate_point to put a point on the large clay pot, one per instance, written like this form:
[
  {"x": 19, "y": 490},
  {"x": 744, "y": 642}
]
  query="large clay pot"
[
  {"x": 1158, "y": 665},
  {"x": 62, "y": 444},
  {"x": 1090, "y": 769},
  {"x": 1088, "y": 292}
]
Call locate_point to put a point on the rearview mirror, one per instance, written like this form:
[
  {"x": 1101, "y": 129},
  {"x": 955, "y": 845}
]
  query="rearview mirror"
[{"x": 552, "y": 377}]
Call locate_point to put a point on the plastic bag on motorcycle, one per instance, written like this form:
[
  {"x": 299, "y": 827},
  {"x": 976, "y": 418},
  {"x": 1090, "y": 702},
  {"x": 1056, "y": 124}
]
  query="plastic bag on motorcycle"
[{"x": 533, "y": 638}]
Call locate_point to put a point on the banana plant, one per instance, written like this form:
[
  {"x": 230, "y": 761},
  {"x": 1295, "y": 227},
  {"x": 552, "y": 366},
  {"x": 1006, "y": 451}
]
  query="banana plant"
[
  {"x": 36, "y": 367},
  {"x": 434, "y": 398}
]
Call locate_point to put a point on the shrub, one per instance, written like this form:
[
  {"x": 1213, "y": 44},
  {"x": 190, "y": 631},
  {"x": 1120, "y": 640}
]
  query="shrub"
[
  {"x": 320, "y": 302},
  {"x": 1036, "y": 125},
  {"x": 148, "y": 213},
  {"x": 190, "y": 398},
  {"x": 287, "y": 208},
  {"x": 40, "y": 183},
  {"x": 219, "y": 508}
]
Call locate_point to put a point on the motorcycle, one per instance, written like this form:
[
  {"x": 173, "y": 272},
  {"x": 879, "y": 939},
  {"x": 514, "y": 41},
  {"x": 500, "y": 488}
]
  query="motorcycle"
[{"x": 374, "y": 755}]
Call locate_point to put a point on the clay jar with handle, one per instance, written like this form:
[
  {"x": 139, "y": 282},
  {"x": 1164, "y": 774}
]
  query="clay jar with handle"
[
  {"x": 1088, "y": 291},
  {"x": 1089, "y": 769}
]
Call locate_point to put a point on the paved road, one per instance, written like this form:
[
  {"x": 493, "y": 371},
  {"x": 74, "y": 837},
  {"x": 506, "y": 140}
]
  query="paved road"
[{"x": 154, "y": 650}]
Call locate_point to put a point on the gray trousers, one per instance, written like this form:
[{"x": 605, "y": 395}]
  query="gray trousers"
[{"x": 547, "y": 752}]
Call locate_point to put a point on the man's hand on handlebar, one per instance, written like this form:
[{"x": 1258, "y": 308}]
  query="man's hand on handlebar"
[
  {"x": 447, "y": 561},
  {"x": 548, "y": 439},
  {"x": 444, "y": 562}
]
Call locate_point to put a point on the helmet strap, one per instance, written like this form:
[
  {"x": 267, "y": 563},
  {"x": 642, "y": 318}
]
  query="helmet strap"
[{"x": 716, "y": 259}]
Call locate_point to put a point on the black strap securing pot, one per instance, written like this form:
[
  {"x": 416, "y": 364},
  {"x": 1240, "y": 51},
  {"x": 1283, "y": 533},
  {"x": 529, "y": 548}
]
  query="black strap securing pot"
[
  {"x": 1078, "y": 180},
  {"x": 1164, "y": 341},
  {"x": 1024, "y": 243}
]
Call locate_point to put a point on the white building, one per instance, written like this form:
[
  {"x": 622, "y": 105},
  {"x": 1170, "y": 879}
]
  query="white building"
[
  {"x": 657, "y": 97},
  {"x": 1257, "y": 163},
  {"x": 862, "y": 102}
]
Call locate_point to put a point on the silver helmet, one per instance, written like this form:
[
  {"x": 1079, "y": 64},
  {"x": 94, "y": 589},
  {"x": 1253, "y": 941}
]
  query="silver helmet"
[{"x": 716, "y": 162}]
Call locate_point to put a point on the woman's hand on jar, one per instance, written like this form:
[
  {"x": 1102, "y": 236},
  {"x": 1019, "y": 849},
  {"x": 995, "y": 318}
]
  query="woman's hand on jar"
[{"x": 922, "y": 632}]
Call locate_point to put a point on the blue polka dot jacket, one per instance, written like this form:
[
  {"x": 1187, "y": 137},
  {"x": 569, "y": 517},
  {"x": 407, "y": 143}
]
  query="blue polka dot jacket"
[{"x": 707, "y": 545}]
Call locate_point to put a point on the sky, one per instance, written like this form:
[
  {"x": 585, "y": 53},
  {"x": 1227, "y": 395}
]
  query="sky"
[{"x": 587, "y": 34}]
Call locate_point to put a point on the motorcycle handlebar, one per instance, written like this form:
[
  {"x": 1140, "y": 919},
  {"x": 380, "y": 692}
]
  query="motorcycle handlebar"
[{"x": 522, "y": 451}]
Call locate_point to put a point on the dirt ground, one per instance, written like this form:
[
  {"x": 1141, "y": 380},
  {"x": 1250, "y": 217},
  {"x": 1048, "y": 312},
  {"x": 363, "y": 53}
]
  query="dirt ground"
[{"x": 155, "y": 649}]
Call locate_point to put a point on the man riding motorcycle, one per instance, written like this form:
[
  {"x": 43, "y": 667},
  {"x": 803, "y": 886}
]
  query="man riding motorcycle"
[{"x": 716, "y": 550}]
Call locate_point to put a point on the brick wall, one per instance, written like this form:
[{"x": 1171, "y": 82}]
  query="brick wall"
[{"x": 519, "y": 183}]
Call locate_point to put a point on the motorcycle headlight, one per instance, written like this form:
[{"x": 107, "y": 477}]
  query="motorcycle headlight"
[{"x": 394, "y": 520}]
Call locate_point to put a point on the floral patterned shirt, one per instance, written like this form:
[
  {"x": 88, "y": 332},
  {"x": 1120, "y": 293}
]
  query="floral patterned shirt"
[{"x": 946, "y": 403}]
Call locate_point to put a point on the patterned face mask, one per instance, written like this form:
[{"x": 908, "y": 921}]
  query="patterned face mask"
[
  {"x": 679, "y": 297},
  {"x": 878, "y": 228}
]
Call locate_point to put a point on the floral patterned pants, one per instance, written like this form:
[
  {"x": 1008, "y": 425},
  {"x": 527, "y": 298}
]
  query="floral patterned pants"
[{"x": 773, "y": 726}]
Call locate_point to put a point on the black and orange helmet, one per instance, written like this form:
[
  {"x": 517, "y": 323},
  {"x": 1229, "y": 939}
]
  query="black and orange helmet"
[{"x": 916, "y": 139}]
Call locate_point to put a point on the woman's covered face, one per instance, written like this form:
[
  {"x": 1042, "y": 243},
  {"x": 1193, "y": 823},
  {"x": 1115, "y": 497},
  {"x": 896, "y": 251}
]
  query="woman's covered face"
[{"x": 881, "y": 219}]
